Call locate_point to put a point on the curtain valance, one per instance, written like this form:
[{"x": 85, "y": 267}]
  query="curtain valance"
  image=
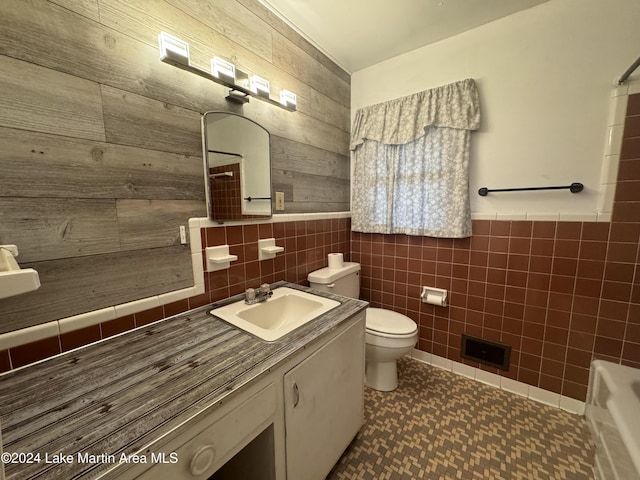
[{"x": 405, "y": 119}]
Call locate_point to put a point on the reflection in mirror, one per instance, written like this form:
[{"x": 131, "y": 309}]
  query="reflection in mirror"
[{"x": 237, "y": 165}]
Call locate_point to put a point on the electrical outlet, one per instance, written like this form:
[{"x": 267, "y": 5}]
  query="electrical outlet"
[
  {"x": 279, "y": 200},
  {"x": 183, "y": 235}
]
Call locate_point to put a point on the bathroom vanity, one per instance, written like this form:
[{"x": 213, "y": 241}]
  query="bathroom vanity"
[{"x": 191, "y": 397}]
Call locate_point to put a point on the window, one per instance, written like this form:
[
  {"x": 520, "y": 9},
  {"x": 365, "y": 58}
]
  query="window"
[{"x": 411, "y": 158}]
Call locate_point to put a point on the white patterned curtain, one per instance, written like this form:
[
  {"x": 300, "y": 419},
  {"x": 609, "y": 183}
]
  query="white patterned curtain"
[{"x": 411, "y": 163}]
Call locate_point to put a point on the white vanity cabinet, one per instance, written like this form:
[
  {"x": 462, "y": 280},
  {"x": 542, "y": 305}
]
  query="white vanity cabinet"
[
  {"x": 244, "y": 431},
  {"x": 324, "y": 404},
  {"x": 293, "y": 423}
]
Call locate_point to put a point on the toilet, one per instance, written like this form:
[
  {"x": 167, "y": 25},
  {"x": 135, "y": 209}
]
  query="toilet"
[{"x": 389, "y": 335}]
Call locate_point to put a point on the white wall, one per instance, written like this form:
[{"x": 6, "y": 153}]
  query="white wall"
[{"x": 545, "y": 77}]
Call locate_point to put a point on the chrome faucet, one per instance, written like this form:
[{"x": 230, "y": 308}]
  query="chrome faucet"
[{"x": 257, "y": 295}]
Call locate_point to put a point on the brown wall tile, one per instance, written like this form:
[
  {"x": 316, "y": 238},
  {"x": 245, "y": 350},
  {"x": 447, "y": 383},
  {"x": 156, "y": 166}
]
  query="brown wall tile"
[
  {"x": 118, "y": 325},
  {"x": 629, "y": 169},
  {"x": 80, "y": 337},
  {"x": 5, "y": 362},
  {"x": 32, "y": 352},
  {"x": 628, "y": 191},
  {"x": 626, "y": 212},
  {"x": 630, "y": 148},
  {"x": 633, "y": 105}
]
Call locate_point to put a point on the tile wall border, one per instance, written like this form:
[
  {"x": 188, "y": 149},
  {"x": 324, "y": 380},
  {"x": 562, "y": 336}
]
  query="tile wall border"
[
  {"x": 68, "y": 324},
  {"x": 546, "y": 397}
]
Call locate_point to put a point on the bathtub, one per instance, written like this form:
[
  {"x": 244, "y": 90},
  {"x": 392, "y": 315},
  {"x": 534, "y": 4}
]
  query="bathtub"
[{"x": 613, "y": 416}]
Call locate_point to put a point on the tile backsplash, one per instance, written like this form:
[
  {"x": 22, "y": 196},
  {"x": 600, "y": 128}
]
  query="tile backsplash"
[
  {"x": 559, "y": 292},
  {"x": 306, "y": 242},
  {"x": 306, "y": 246}
]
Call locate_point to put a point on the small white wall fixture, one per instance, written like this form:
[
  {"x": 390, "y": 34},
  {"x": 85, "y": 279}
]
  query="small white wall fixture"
[
  {"x": 218, "y": 258},
  {"x": 13, "y": 279},
  {"x": 267, "y": 249},
  {"x": 434, "y": 296}
]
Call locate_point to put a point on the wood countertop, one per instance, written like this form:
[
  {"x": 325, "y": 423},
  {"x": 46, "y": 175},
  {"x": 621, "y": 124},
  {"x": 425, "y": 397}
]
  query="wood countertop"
[{"x": 123, "y": 393}]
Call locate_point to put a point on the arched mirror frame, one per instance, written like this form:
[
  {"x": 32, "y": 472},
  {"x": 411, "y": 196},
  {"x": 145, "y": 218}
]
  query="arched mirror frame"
[{"x": 237, "y": 167}]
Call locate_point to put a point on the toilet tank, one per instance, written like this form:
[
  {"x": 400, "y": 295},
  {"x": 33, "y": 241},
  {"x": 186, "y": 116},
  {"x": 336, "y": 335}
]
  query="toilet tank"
[{"x": 341, "y": 281}]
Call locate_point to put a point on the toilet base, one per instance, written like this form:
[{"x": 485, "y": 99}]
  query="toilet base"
[{"x": 382, "y": 376}]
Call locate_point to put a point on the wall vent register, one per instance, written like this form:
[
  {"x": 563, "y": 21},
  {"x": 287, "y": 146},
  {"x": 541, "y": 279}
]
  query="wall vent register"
[{"x": 484, "y": 351}]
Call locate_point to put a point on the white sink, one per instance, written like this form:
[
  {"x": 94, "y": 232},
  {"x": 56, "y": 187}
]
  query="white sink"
[{"x": 286, "y": 310}]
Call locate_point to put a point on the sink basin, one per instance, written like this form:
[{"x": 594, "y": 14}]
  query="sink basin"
[{"x": 286, "y": 310}]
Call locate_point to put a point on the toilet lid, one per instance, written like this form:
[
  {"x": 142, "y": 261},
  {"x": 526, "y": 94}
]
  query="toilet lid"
[{"x": 389, "y": 322}]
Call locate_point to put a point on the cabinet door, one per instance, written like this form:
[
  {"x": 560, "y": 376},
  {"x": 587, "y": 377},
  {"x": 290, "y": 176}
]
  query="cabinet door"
[{"x": 324, "y": 405}]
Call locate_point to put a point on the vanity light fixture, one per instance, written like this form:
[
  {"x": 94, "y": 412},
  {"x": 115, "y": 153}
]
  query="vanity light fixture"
[
  {"x": 176, "y": 52},
  {"x": 287, "y": 98},
  {"x": 222, "y": 69},
  {"x": 237, "y": 96},
  {"x": 173, "y": 50},
  {"x": 259, "y": 86}
]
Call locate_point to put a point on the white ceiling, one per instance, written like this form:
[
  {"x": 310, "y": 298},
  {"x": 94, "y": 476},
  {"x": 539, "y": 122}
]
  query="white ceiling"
[{"x": 359, "y": 33}]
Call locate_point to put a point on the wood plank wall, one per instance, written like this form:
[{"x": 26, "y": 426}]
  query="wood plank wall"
[{"x": 101, "y": 153}]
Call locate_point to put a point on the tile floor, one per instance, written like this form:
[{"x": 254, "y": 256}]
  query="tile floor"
[{"x": 438, "y": 425}]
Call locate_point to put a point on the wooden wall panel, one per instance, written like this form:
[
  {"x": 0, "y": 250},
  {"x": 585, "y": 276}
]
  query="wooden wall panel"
[
  {"x": 288, "y": 32},
  {"x": 142, "y": 20},
  {"x": 76, "y": 285},
  {"x": 47, "y": 34},
  {"x": 138, "y": 121},
  {"x": 117, "y": 60},
  {"x": 237, "y": 23},
  {"x": 86, "y": 8},
  {"x": 282, "y": 181},
  {"x": 303, "y": 192},
  {"x": 42, "y": 165},
  {"x": 292, "y": 59},
  {"x": 54, "y": 228},
  {"x": 329, "y": 111},
  {"x": 101, "y": 159},
  {"x": 299, "y": 127},
  {"x": 302, "y": 207},
  {"x": 154, "y": 223},
  {"x": 204, "y": 43},
  {"x": 40, "y": 99},
  {"x": 303, "y": 158},
  {"x": 89, "y": 50},
  {"x": 310, "y": 188}
]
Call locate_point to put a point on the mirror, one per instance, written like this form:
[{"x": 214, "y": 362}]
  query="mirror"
[{"x": 237, "y": 167}]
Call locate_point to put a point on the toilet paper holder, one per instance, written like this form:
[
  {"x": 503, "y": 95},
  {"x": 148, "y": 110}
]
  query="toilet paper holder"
[{"x": 434, "y": 296}]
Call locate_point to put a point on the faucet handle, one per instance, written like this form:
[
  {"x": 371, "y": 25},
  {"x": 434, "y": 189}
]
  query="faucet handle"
[
  {"x": 265, "y": 287},
  {"x": 250, "y": 294}
]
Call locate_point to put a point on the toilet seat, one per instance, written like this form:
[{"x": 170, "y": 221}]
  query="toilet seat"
[{"x": 389, "y": 324}]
